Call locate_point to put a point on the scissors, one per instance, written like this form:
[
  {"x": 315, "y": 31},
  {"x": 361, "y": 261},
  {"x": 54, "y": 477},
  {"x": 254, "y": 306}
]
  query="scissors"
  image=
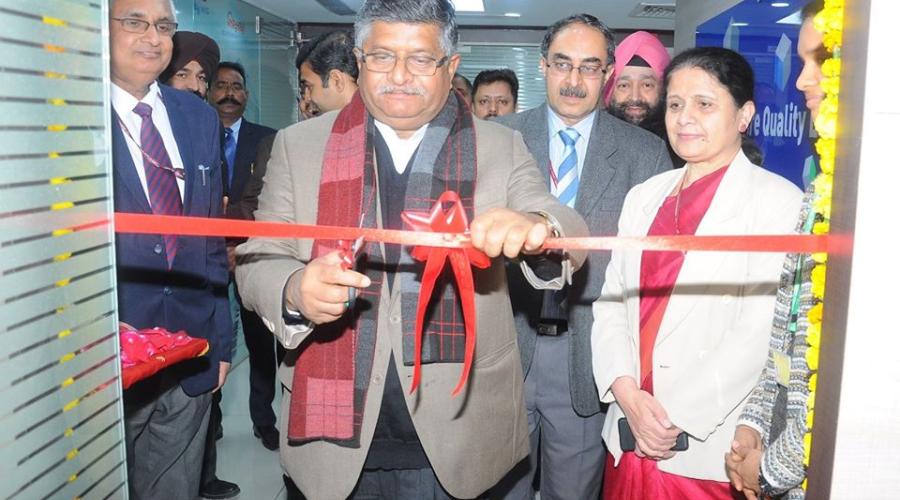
[{"x": 349, "y": 254}]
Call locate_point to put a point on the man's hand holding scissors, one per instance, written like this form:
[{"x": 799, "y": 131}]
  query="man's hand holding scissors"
[{"x": 324, "y": 290}]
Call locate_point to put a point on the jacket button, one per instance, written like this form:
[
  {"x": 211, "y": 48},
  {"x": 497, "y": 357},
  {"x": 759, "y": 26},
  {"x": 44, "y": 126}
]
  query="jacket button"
[
  {"x": 167, "y": 291},
  {"x": 395, "y": 319},
  {"x": 158, "y": 249}
]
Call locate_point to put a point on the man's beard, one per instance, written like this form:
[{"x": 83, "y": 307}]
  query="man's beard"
[{"x": 650, "y": 116}]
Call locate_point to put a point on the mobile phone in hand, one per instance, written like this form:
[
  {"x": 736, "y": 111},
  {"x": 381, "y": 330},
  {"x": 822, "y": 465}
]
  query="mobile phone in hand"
[{"x": 627, "y": 441}]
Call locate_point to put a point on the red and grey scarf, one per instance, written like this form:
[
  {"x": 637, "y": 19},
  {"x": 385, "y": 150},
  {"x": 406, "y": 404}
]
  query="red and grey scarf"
[{"x": 332, "y": 372}]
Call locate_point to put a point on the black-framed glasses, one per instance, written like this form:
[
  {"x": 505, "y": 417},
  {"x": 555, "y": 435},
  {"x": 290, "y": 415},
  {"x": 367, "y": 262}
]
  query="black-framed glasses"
[
  {"x": 588, "y": 71},
  {"x": 234, "y": 86},
  {"x": 139, "y": 26},
  {"x": 384, "y": 62}
]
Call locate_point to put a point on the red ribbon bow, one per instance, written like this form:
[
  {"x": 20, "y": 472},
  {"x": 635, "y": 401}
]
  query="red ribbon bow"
[{"x": 451, "y": 220}]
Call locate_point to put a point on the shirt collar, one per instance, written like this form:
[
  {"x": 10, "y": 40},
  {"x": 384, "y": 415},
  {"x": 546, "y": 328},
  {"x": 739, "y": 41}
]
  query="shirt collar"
[
  {"x": 236, "y": 127},
  {"x": 124, "y": 103},
  {"x": 555, "y": 124},
  {"x": 390, "y": 135}
]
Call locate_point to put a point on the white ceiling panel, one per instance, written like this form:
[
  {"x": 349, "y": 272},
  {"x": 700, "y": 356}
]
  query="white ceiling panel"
[{"x": 615, "y": 13}]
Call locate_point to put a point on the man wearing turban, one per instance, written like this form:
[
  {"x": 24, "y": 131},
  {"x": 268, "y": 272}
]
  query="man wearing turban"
[
  {"x": 634, "y": 89},
  {"x": 195, "y": 57}
]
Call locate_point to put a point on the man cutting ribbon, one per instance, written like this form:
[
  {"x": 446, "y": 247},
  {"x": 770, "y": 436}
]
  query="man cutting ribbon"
[{"x": 403, "y": 141}]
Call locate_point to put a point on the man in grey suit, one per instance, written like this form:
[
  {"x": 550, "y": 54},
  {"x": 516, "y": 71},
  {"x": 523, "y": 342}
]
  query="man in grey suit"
[
  {"x": 589, "y": 161},
  {"x": 354, "y": 426}
]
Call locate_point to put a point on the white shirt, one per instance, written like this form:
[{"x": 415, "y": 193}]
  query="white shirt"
[
  {"x": 123, "y": 104},
  {"x": 558, "y": 148},
  {"x": 401, "y": 149}
]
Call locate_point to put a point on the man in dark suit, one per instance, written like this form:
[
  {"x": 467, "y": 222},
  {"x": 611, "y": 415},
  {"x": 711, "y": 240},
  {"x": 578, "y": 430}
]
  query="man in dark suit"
[
  {"x": 240, "y": 141},
  {"x": 166, "y": 161},
  {"x": 590, "y": 160}
]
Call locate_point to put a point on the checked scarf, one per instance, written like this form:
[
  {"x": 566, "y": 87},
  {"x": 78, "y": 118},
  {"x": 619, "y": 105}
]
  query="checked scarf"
[{"x": 332, "y": 373}]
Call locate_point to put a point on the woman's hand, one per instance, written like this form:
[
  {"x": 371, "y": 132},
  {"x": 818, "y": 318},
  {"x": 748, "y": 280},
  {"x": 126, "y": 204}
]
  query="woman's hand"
[
  {"x": 654, "y": 433},
  {"x": 743, "y": 461}
]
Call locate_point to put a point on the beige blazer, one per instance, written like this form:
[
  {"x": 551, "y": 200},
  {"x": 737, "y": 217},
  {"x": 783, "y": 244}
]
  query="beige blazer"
[
  {"x": 713, "y": 340},
  {"x": 471, "y": 440}
]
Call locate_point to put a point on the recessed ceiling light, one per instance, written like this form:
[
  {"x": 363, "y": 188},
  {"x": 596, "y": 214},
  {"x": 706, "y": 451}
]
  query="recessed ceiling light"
[
  {"x": 512, "y": 14},
  {"x": 739, "y": 24},
  {"x": 469, "y": 5},
  {"x": 780, "y": 4}
]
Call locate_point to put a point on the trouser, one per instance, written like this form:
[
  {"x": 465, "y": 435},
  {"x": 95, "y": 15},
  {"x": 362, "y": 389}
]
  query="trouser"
[
  {"x": 165, "y": 432},
  {"x": 210, "y": 456},
  {"x": 570, "y": 447},
  {"x": 264, "y": 354}
]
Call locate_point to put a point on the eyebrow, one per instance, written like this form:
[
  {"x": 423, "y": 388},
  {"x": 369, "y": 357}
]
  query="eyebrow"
[{"x": 137, "y": 14}]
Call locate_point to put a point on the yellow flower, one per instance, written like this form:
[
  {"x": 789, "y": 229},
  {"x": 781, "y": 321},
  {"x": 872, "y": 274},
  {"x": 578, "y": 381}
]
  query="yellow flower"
[
  {"x": 824, "y": 185},
  {"x": 812, "y": 357},
  {"x": 826, "y": 163},
  {"x": 818, "y": 281},
  {"x": 820, "y": 257},
  {"x": 822, "y": 205},
  {"x": 813, "y": 380},
  {"x": 831, "y": 68},
  {"x": 821, "y": 227},
  {"x": 809, "y": 419},
  {"x": 815, "y": 314},
  {"x": 811, "y": 402},
  {"x": 833, "y": 39},
  {"x": 831, "y": 85},
  {"x": 807, "y": 446},
  {"x": 814, "y": 335},
  {"x": 826, "y": 122},
  {"x": 804, "y": 485}
]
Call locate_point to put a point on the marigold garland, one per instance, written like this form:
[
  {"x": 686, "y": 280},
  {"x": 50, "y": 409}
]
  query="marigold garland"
[{"x": 829, "y": 22}]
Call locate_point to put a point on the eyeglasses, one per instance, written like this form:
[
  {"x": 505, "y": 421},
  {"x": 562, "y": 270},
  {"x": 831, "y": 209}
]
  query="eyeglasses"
[
  {"x": 587, "y": 71},
  {"x": 234, "y": 86},
  {"x": 139, "y": 26},
  {"x": 384, "y": 62}
]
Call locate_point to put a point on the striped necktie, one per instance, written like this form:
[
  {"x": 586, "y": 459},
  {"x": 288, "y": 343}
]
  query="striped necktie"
[
  {"x": 162, "y": 188},
  {"x": 567, "y": 171}
]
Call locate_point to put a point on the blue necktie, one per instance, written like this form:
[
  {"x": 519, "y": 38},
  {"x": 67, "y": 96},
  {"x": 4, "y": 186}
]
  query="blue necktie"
[
  {"x": 230, "y": 148},
  {"x": 567, "y": 171}
]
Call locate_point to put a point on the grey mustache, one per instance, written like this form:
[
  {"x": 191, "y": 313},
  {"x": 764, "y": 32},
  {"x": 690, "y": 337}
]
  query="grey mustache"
[
  {"x": 389, "y": 89},
  {"x": 572, "y": 92}
]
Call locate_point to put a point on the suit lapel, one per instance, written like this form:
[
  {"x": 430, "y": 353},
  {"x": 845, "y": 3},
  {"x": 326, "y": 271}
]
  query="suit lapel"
[
  {"x": 598, "y": 170},
  {"x": 243, "y": 157},
  {"x": 694, "y": 277},
  {"x": 185, "y": 144},
  {"x": 535, "y": 132},
  {"x": 125, "y": 168}
]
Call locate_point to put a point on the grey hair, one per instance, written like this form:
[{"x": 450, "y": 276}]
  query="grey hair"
[
  {"x": 438, "y": 12},
  {"x": 171, "y": 7},
  {"x": 587, "y": 20}
]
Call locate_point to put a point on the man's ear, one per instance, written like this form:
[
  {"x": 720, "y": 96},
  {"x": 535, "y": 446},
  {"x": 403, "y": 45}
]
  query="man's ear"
[{"x": 336, "y": 78}]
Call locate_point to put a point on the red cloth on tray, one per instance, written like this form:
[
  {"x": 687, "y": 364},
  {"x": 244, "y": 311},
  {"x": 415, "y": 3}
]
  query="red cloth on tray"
[{"x": 145, "y": 352}]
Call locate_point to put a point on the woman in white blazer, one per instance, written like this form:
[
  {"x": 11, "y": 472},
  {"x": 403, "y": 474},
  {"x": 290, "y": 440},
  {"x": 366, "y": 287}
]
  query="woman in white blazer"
[{"x": 679, "y": 339}]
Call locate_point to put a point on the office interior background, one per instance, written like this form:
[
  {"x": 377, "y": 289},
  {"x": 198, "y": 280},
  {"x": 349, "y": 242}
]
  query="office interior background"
[{"x": 61, "y": 434}]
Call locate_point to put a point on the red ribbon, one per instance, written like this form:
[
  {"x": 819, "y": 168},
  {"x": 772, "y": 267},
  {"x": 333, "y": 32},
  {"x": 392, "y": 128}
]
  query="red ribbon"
[
  {"x": 202, "y": 226},
  {"x": 443, "y": 234},
  {"x": 446, "y": 216}
]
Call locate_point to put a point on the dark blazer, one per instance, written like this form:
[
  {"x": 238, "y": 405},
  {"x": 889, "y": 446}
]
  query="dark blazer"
[
  {"x": 193, "y": 295},
  {"x": 244, "y": 162},
  {"x": 619, "y": 156},
  {"x": 249, "y": 201}
]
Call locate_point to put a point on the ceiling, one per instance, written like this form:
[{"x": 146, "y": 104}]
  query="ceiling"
[{"x": 614, "y": 13}]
